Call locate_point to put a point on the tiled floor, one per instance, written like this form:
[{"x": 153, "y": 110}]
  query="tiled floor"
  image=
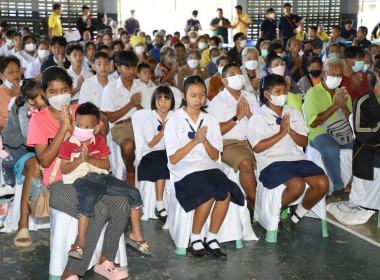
[{"x": 304, "y": 255}]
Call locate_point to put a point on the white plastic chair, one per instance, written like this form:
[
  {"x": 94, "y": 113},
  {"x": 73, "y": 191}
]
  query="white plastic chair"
[
  {"x": 146, "y": 188},
  {"x": 117, "y": 163},
  {"x": 177, "y": 97},
  {"x": 64, "y": 229},
  {"x": 245, "y": 218},
  {"x": 180, "y": 225},
  {"x": 207, "y": 83}
]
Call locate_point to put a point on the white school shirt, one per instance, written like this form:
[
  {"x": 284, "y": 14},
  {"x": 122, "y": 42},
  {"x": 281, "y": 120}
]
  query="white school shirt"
[
  {"x": 262, "y": 125},
  {"x": 176, "y": 137},
  {"x": 86, "y": 75},
  {"x": 33, "y": 69},
  {"x": 115, "y": 74},
  {"x": 86, "y": 64},
  {"x": 116, "y": 96},
  {"x": 146, "y": 93},
  {"x": 92, "y": 90},
  {"x": 223, "y": 108},
  {"x": 4, "y": 50},
  {"x": 25, "y": 58},
  {"x": 150, "y": 130}
]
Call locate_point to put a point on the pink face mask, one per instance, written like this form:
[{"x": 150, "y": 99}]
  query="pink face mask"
[
  {"x": 83, "y": 134},
  {"x": 279, "y": 70}
]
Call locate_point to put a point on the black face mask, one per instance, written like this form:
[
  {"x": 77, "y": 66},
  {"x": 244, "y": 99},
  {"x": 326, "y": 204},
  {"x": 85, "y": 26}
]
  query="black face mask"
[
  {"x": 307, "y": 52},
  {"x": 159, "y": 45},
  {"x": 315, "y": 73}
]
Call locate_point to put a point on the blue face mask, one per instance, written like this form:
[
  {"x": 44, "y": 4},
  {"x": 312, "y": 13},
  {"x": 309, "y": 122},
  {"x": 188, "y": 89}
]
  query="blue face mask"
[
  {"x": 333, "y": 54},
  {"x": 9, "y": 43},
  {"x": 358, "y": 67},
  {"x": 264, "y": 53},
  {"x": 281, "y": 55},
  {"x": 9, "y": 85}
]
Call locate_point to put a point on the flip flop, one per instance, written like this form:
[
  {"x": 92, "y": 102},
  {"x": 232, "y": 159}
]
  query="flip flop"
[
  {"x": 20, "y": 234},
  {"x": 140, "y": 246}
]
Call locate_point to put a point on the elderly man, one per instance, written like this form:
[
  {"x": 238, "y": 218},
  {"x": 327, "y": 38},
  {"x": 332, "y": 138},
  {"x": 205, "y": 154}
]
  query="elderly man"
[{"x": 327, "y": 109}]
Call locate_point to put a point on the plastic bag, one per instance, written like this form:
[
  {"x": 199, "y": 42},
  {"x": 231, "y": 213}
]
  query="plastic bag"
[{"x": 348, "y": 213}]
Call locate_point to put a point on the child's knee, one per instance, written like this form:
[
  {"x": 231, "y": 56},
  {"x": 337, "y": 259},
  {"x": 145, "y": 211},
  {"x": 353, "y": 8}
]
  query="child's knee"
[
  {"x": 246, "y": 165},
  {"x": 127, "y": 146}
]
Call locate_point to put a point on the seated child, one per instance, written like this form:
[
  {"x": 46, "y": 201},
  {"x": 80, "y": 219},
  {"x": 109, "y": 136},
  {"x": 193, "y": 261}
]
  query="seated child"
[
  {"x": 277, "y": 134},
  {"x": 153, "y": 165},
  {"x": 193, "y": 143},
  {"x": 14, "y": 134},
  {"x": 85, "y": 164}
]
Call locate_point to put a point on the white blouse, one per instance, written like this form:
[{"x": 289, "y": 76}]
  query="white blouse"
[
  {"x": 262, "y": 125},
  {"x": 150, "y": 130},
  {"x": 176, "y": 136}
]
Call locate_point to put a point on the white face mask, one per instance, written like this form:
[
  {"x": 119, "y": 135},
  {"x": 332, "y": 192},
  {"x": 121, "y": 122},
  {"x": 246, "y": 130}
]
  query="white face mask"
[
  {"x": 43, "y": 54},
  {"x": 9, "y": 85},
  {"x": 272, "y": 15},
  {"x": 202, "y": 45},
  {"x": 220, "y": 69},
  {"x": 251, "y": 64},
  {"x": 358, "y": 67},
  {"x": 333, "y": 82},
  {"x": 30, "y": 47},
  {"x": 59, "y": 100},
  {"x": 236, "y": 82},
  {"x": 365, "y": 67},
  {"x": 214, "y": 59},
  {"x": 193, "y": 40},
  {"x": 186, "y": 46},
  {"x": 278, "y": 100},
  {"x": 243, "y": 43},
  {"x": 193, "y": 63},
  {"x": 279, "y": 70},
  {"x": 139, "y": 49}
]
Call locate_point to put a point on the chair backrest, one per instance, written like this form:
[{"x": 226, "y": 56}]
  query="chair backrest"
[
  {"x": 207, "y": 83},
  {"x": 147, "y": 97},
  {"x": 177, "y": 96},
  {"x": 138, "y": 120},
  {"x": 351, "y": 121}
]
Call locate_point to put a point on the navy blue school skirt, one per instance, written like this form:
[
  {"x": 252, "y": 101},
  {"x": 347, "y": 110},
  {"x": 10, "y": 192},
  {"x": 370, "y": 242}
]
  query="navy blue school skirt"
[
  {"x": 153, "y": 167},
  {"x": 199, "y": 187},
  {"x": 279, "y": 172}
]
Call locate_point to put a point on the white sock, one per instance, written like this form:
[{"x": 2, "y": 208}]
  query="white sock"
[
  {"x": 300, "y": 213},
  {"x": 160, "y": 206},
  {"x": 198, "y": 245},
  {"x": 211, "y": 236}
]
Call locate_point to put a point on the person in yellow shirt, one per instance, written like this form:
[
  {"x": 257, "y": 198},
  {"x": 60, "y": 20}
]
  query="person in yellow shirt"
[
  {"x": 241, "y": 21},
  {"x": 213, "y": 43},
  {"x": 55, "y": 25},
  {"x": 322, "y": 34}
]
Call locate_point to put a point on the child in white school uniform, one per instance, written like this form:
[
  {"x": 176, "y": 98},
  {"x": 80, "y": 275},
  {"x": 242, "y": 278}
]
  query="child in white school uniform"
[
  {"x": 277, "y": 134},
  {"x": 193, "y": 144},
  {"x": 153, "y": 165}
]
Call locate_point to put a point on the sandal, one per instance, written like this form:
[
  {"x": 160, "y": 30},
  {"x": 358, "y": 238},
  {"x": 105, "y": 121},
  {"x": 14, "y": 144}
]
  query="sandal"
[
  {"x": 140, "y": 246},
  {"x": 76, "y": 252},
  {"x": 22, "y": 233},
  {"x": 339, "y": 195},
  {"x": 158, "y": 214}
]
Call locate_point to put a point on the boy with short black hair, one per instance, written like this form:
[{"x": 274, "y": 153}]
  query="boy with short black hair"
[{"x": 58, "y": 46}]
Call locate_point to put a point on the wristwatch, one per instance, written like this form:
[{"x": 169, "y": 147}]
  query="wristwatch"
[{"x": 235, "y": 119}]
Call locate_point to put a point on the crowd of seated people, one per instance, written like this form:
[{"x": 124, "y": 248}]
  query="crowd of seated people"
[{"x": 253, "y": 108}]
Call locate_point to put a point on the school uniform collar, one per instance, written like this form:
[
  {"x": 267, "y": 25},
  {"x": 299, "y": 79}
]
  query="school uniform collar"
[
  {"x": 72, "y": 71},
  {"x": 119, "y": 84},
  {"x": 157, "y": 116},
  {"x": 74, "y": 140},
  {"x": 186, "y": 116},
  {"x": 268, "y": 110},
  {"x": 225, "y": 93},
  {"x": 56, "y": 61}
]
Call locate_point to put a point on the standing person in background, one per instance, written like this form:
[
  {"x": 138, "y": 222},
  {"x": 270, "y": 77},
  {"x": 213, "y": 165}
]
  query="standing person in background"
[
  {"x": 220, "y": 25},
  {"x": 84, "y": 22},
  {"x": 131, "y": 24},
  {"x": 348, "y": 32},
  {"x": 287, "y": 24},
  {"x": 55, "y": 25},
  {"x": 193, "y": 24},
  {"x": 241, "y": 22},
  {"x": 102, "y": 24},
  {"x": 268, "y": 26}
]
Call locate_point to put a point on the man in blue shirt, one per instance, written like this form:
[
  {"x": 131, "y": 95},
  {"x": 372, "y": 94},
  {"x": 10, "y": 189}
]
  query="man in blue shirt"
[
  {"x": 296, "y": 63},
  {"x": 361, "y": 39},
  {"x": 268, "y": 26},
  {"x": 287, "y": 24},
  {"x": 158, "y": 44}
]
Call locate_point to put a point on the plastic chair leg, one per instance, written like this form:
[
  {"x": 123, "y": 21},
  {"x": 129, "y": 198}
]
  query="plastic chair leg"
[
  {"x": 325, "y": 233},
  {"x": 284, "y": 213},
  {"x": 144, "y": 219},
  {"x": 53, "y": 277},
  {"x": 254, "y": 221},
  {"x": 271, "y": 236},
  {"x": 378, "y": 219},
  {"x": 239, "y": 244},
  {"x": 180, "y": 251}
]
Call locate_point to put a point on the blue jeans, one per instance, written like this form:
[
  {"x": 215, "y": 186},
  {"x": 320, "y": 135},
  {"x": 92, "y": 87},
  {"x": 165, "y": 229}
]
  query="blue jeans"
[
  {"x": 330, "y": 153},
  {"x": 9, "y": 162},
  {"x": 93, "y": 186}
]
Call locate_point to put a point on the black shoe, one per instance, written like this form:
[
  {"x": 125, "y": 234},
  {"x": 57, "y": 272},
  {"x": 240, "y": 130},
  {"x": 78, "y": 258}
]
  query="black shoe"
[
  {"x": 288, "y": 224},
  {"x": 217, "y": 253},
  {"x": 158, "y": 214},
  {"x": 197, "y": 253}
]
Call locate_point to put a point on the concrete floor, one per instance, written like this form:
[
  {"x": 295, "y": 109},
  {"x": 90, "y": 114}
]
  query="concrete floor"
[{"x": 304, "y": 255}]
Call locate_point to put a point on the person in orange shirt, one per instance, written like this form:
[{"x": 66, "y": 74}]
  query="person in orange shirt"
[{"x": 215, "y": 83}]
